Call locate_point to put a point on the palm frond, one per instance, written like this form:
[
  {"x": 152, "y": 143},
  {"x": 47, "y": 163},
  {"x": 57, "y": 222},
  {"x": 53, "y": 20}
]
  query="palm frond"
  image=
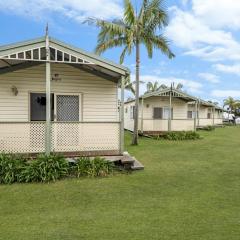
[
  {"x": 129, "y": 13},
  {"x": 104, "y": 45},
  {"x": 155, "y": 15},
  {"x": 159, "y": 42},
  {"x": 116, "y": 27}
]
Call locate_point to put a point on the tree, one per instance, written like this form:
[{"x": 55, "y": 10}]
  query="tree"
[
  {"x": 134, "y": 29},
  {"x": 231, "y": 103},
  {"x": 130, "y": 85},
  {"x": 179, "y": 86},
  {"x": 153, "y": 87}
]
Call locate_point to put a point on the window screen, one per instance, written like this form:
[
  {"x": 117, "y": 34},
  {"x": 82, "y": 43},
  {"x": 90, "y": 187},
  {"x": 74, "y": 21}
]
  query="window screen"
[
  {"x": 209, "y": 115},
  {"x": 38, "y": 107},
  {"x": 67, "y": 108},
  {"x": 157, "y": 113}
]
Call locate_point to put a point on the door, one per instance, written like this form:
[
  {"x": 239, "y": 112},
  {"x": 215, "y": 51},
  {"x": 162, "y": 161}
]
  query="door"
[
  {"x": 67, "y": 127},
  {"x": 67, "y": 108}
]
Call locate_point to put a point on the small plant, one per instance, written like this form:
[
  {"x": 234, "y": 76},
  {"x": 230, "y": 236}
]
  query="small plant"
[
  {"x": 179, "y": 136},
  {"x": 10, "y": 168},
  {"x": 97, "y": 167},
  {"x": 82, "y": 167},
  {"x": 45, "y": 169}
]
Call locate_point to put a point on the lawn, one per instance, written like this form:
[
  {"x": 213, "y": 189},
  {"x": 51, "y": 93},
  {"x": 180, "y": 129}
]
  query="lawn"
[{"x": 189, "y": 190}]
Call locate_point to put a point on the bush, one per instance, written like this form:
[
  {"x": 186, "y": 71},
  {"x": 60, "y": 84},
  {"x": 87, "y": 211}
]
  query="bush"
[
  {"x": 10, "y": 168},
  {"x": 208, "y": 128},
  {"x": 179, "y": 136},
  {"x": 45, "y": 169},
  {"x": 96, "y": 167}
]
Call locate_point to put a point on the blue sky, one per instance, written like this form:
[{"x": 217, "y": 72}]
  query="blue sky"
[{"x": 204, "y": 35}]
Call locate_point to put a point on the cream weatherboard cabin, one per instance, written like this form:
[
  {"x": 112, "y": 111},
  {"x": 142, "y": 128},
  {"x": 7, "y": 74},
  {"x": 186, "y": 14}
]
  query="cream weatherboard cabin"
[
  {"x": 58, "y": 98},
  {"x": 171, "y": 110}
]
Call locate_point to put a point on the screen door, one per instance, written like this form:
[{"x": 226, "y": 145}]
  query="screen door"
[{"x": 67, "y": 108}]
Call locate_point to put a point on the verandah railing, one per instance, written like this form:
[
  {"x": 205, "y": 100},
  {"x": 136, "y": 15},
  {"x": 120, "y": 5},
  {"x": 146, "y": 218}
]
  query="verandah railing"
[
  {"x": 176, "y": 124},
  {"x": 29, "y": 137}
]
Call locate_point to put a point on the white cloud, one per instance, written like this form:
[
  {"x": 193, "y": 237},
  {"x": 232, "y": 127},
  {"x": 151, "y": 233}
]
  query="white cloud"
[
  {"x": 234, "y": 69},
  {"x": 212, "y": 78},
  {"x": 218, "y": 13},
  {"x": 226, "y": 93},
  {"x": 74, "y": 9},
  {"x": 198, "y": 38}
]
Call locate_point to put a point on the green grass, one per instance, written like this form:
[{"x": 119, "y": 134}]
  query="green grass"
[{"x": 189, "y": 190}]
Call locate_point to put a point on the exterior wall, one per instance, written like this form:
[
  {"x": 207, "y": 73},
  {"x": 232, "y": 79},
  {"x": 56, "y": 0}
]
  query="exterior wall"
[
  {"x": 179, "y": 122},
  {"x": 218, "y": 117},
  {"x": 99, "y": 96},
  {"x": 98, "y": 131},
  {"x": 128, "y": 121},
  {"x": 204, "y": 121}
]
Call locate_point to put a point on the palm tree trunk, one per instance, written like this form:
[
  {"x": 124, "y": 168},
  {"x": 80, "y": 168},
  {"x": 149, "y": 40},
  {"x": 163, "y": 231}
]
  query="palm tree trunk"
[{"x": 135, "y": 133}]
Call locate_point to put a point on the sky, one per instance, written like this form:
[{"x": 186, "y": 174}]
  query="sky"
[{"x": 203, "y": 34}]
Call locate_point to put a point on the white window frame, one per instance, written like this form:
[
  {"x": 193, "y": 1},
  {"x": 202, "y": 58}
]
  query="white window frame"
[{"x": 132, "y": 111}]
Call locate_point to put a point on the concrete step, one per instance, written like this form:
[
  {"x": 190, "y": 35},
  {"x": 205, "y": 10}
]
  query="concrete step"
[{"x": 137, "y": 165}]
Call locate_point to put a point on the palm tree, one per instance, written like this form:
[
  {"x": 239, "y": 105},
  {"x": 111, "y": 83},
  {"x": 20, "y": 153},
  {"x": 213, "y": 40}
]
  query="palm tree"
[
  {"x": 130, "y": 86},
  {"x": 134, "y": 29},
  {"x": 179, "y": 86},
  {"x": 231, "y": 103},
  {"x": 153, "y": 87}
]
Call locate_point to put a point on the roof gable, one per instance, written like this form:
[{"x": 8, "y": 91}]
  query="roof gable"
[
  {"x": 35, "y": 50},
  {"x": 167, "y": 91}
]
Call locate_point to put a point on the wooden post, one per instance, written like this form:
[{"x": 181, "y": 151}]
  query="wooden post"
[
  {"x": 142, "y": 115},
  {"x": 195, "y": 117},
  {"x": 198, "y": 110},
  {"x": 122, "y": 116},
  {"x": 170, "y": 111},
  {"x": 213, "y": 117},
  {"x": 48, "y": 99}
]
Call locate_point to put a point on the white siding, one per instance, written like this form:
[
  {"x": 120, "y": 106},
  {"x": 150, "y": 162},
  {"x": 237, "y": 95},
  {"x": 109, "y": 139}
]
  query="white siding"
[
  {"x": 180, "y": 109},
  {"x": 99, "y": 95}
]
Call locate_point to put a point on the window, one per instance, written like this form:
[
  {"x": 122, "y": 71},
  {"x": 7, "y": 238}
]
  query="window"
[
  {"x": 132, "y": 112},
  {"x": 38, "y": 107},
  {"x": 67, "y": 107},
  {"x": 126, "y": 109},
  {"x": 166, "y": 113},
  {"x": 157, "y": 113},
  {"x": 209, "y": 114},
  {"x": 191, "y": 114}
]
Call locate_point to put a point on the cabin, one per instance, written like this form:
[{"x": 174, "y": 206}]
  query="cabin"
[
  {"x": 170, "y": 110},
  {"x": 57, "y": 98},
  {"x": 209, "y": 114}
]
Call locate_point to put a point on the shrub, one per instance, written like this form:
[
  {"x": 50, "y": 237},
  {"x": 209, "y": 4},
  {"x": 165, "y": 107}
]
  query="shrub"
[
  {"x": 93, "y": 168},
  {"x": 45, "y": 169},
  {"x": 179, "y": 136},
  {"x": 10, "y": 167}
]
